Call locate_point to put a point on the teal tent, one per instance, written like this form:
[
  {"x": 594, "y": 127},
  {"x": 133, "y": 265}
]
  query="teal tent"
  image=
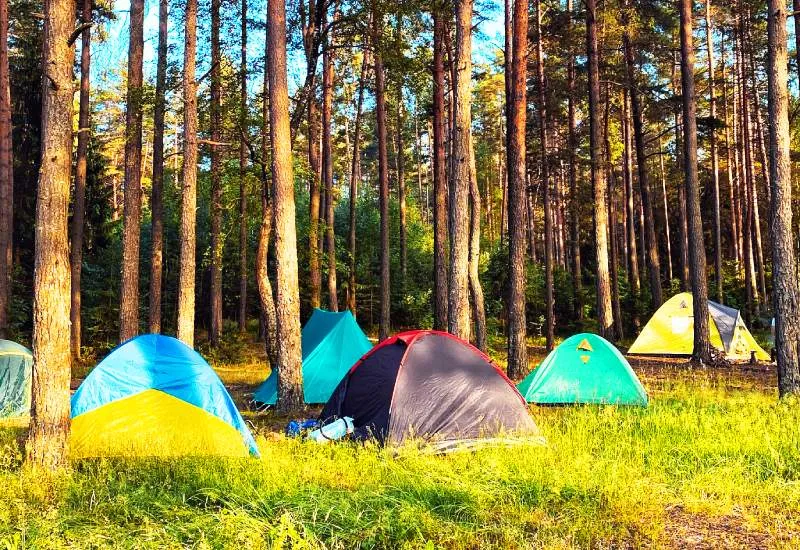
[
  {"x": 585, "y": 368},
  {"x": 15, "y": 379},
  {"x": 332, "y": 343}
]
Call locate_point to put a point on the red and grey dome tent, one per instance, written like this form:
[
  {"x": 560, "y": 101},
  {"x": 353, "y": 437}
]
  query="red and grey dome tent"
[{"x": 429, "y": 385}]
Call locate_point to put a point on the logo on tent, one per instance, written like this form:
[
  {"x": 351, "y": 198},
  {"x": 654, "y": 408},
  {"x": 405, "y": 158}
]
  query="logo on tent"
[
  {"x": 585, "y": 345},
  {"x": 585, "y": 359},
  {"x": 683, "y": 305}
]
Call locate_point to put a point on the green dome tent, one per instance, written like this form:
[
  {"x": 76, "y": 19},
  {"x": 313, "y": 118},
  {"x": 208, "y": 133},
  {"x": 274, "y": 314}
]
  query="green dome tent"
[
  {"x": 585, "y": 368},
  {"x": 332, "y": 343},
  {"x": 15, "y": 379}
]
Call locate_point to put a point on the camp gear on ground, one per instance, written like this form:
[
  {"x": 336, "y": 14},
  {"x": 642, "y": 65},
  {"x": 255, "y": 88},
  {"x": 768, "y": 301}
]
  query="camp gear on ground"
[
  {"x": 15, "y": 379},
  {"x": 332, "y": 343},
  {"x": 296, "y": 428},
  {"x": 671, "y": 331},
  {"x": 585, "y": 368},
  {"x": 155, "y": 396},
  {"x": 333, "y": 431},
  {"x": 429, "y": 385}
]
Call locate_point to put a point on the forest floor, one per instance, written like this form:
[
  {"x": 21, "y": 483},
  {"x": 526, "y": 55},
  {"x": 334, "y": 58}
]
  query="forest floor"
[{"x": 713, "y": 461}]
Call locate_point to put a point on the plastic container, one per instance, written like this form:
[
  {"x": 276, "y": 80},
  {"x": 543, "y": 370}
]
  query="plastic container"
[{"x": 333, "y": 431}]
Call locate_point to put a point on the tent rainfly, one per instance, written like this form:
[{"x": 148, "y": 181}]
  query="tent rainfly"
[
  {"x": 332, "y": 342},
  {"x": 154, "y": 396},
  {"x": 16, "y": 362},
  {"x": 585, "y": 368},
  {"x": 431, "y": 386},
  {"x": 671, "y": 331}
]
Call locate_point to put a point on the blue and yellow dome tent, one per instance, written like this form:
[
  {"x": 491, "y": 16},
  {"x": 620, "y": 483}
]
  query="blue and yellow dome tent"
[
  {"x": 332, "y": 343},
  {"x": 15, "y": 379},
  {"x": 155, "y": 396}
]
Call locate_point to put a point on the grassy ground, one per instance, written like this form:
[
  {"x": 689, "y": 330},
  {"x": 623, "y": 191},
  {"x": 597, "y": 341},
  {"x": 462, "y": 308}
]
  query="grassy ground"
[{"x": 714, "y": 461}]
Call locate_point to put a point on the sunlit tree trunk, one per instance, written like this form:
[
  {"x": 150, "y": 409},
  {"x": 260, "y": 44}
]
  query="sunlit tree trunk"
[
  {"x": 355, "y": 178},
  {"x": 7, "y": 176},
  {"x": 517, "y": 192},
  {"x": 383, "y": 170},
  {"x": 599, "y": 183},
  {"x": 132, "y": 210},
  {"x": 314, "y": 160},
  {"x": 216, "y": 178},
  {"x": 243, "y": 176},
  {"x": 79, "y": 200},
  {"x": 683, "y": 224},
  {"x": 476, "y": 290},
  {"x": 327, "y": 167},
  {"x": 458, "y": 283},
  {"x": 712, "y": 100},
  {"x": 47, "y": 439},
  {"x": 287, "y": 306},
  {"x": 546, "y": 184},
  {"x": 188, "y": 228},
  {"x": 732, "y": 195},
  {"x": 784, "y": 273},
  {"x": 627, "y": 175},
  {"x": 616, "y": 308},
  {"x": 157, "y": 187},
  {"x": 439, "y": 175},
  {"x": 697, "y": 252},
  {"x": 667, "y": 238}
]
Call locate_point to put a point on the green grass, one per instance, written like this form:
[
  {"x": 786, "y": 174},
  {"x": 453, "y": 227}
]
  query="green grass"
[{"x": 702, "y": 457}]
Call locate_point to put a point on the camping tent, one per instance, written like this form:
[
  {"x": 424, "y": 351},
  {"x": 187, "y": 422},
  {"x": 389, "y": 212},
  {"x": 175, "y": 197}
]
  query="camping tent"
[
  {"x": 430, "y": 385},
  {"x": 332, "y": 343},
  {"x": 585, "y": 368},
  {"x": 671, "y": 331},
  {"x": 155, "y": 396},
  {"x": 15, "y": 379}
]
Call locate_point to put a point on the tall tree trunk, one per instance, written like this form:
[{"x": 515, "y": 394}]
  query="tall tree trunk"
[
  {"x": 400, "y": 160},
  {"x": 545, "y": 172},
  {"x": 79, "y": 201},
  {"x": 309, "y": 41},
  {"x": 47, "y": 439},
  {"x": 574, "y": 202},
  {"x": 599, "y": 183},
  {"x": 243, "y": 176},
  {"x": 683, "y": 223},
  {"x": 383, "y": 170},
  {"x": 7, "y": 174},
  {"x": 732, "y": 195},
  {"x": 616, "y": 308},
  {"x": 651, "y": 241},
  {"x": 327, "y": 167},
  {"x": 697, "y": 251},
  {"x": 784, "y": 273},
  {"x": 630, "y": 203},
  {"x": 157, "y": 188},
  {"x": 355, "y": 177},
  {"x": 439, "y": 174},
  {"x": 287, "y": 306},
  {"x": 712, "y": 101},
  {"x": 517, "y": 193},
  {"x": 216, "y": 179},
  {"x": 476, "y": 290},
  {"x": 188, "y": 229},
  {"x": 458, "y": 283},
  {"x": 667, "y": 237},
  {"x": 132, "y": 210}
]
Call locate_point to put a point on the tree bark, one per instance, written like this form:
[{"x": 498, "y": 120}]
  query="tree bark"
[
  {"x": 616, "y": 308},
  {"x": 683, "y": 223},
  {"x": 439, "y": 174},
  {"x": 546, "y": 184},
  {"x": 732, "y": 195},
  {"x": 458, "y": 283},
  {"x": 355, "y": 178},
  {"x": 243, "y": 177},
  {"x": 400, "y": 161},
  {"x": 599, "y": 182},
  {"x": 476, "y": 290},
  {"x": 188, "y": 229},
  {"x": 633, "y": 256},
  {"x": 517, "y": 193},
  {"x": 47, "y": 439},
  {"x": 327, "y": 168},
  {"x": 667, "y": 237},
  {"x": 383, "y": 171},
  {"x": 314, "y": 161},
  {"x": 653, "y": 260},
  {"x": 157, "y": 190},
  {"x": 697, "y": 253},
  {"x": 784, "y": 271},
  {"x": 574, "y": 202},
  {"x": 287, "y": 307},
  {"x": 216, "y": 178},
  {"x": 712, "y": 100},
  {"x": 132, "y": 209},
  {"x": 7, "y": 175},
  {"x": 79, "y": 201}
]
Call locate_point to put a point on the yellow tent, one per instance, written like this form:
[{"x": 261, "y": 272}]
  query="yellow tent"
[{"x": 671, "y": 331}]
